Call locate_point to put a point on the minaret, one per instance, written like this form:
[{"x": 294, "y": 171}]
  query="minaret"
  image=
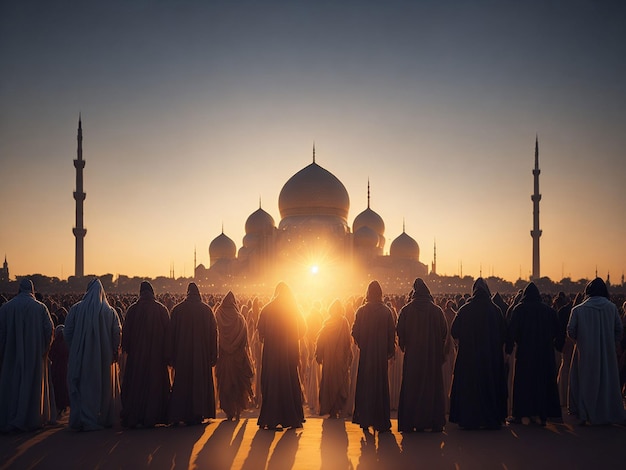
[
  {"x": 4, "y": 273},
  {"x": 536, "y": 197},
  {"x": 434, "y": 264},
  {"x": 79, "y": 195}
]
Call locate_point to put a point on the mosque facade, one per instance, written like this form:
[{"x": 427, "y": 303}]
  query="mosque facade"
[{"x": 313, "y": 244}]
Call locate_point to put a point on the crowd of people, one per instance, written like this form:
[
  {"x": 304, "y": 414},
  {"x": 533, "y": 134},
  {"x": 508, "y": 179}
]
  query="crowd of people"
[{"x": 478, "y": 360}]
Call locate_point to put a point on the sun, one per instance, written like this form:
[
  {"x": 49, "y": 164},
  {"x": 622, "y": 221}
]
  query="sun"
[{"x": 315, "y": 269}]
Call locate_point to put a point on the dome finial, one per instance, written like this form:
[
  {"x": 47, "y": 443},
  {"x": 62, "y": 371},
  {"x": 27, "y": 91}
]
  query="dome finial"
[
  {"x": 222, "y": 227},
  {"x": 403, "y": 225},
  {"x": 368, "y": 192},
  {"x": 259, "y": 201},
  {"x": 313, "y": 151}
]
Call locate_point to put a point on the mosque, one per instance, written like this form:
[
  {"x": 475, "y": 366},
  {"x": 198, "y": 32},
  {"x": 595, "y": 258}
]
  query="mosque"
[{"x": 313, "y": 244}]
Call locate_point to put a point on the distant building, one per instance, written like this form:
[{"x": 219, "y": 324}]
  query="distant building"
[
  {"x": 4, "y": 272},
  {"x": 313, "y": 234}
]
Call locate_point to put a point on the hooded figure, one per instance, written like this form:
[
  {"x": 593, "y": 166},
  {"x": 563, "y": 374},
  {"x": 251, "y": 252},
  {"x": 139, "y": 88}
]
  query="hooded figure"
[
  {"x": 596, "y": 327},
  {"x": 280, "y": 328},
  {"x": 534, "y": 329},
  {"x": 479, "y": 391},
  {"x": 422, "y": 332},
  {"x": 145, "y": 340},
  {"x": 233, "y": 370},
  {"x": 92, "y": 334},
  {"x": 374, "y": 333},
  {"x": 193, "y": 332},
  {"x": 25, "y": 336},
  {"x": 333, "y": 351}
]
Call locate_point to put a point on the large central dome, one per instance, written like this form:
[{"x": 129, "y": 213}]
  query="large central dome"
[{"x": 314, "y": 192}]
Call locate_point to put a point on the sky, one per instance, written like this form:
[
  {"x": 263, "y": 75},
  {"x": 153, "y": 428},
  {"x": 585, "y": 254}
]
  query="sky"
[{"x": 193, "y": 111}]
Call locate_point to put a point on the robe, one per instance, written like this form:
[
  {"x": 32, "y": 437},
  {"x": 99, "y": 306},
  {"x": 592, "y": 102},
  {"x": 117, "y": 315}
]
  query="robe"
[
  {"x": 422, "y": 332},
  {"x": 534, "y": 329},
  {"x": 193, "y": 331},
  {"x": 280, "y": 328},
  {"x": 479, "y": 390},
  {"x": 146, "y": 384},
  {"x": 25, "y": 336},
  {"x": 333, "y": 351},
  {"x": 58, "y": 355},
  {"x": 595, "y": 395},
  {"x": 92, "y": 334},
  {"x": 233, "y": 371},
  {"x": 374, "y": 333}
]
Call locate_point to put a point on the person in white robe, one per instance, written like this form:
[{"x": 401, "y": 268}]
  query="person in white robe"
[
  {"x": 596, "y": 328},
  {"x": 92, "y": 333},
  {"x": 25, "y": 336}
]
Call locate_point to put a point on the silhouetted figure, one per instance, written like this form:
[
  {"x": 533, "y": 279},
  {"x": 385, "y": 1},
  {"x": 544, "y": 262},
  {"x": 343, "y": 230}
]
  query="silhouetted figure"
[
  {"x": 92, "y": 334},
  {"x": 233, "y": 371},
  {"x": 145, "y": 340},
  {"x": 59, "y": 355},
  {"x": 422, "y": 331},
  {"x": 479, "y": 392},
  {"x": 534, "y": 329},
  {"x": 280, "y": 328},
  {"x": 334, "y": 353},
  {"x": 374, "y": 333},
  {"x": 564, "y": 314},
  {"x": 25, "y": 336},
  {"x": 194, "y": 353},
  {"x": 596, "y": 327},
  {"x": 449, "y": 352}
]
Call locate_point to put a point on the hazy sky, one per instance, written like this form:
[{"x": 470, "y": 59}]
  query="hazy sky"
[{"x": 192, "y": 110}]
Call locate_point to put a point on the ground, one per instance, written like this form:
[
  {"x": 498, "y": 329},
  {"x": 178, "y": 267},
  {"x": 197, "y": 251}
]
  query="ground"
[{"x": 320, "y": 444}]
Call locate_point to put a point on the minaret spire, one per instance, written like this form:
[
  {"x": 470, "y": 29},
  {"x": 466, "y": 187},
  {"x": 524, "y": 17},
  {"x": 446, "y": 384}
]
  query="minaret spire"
[
  {"x": 434, "y": 266},
  {"x": 535, "y": 233},
  {"x": 79, "y": 196}
]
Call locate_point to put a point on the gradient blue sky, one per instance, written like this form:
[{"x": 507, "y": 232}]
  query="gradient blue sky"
[{"x": 192, "y": 110}]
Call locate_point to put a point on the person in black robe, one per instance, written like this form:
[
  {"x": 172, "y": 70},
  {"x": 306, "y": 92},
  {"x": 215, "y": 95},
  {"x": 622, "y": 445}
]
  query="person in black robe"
[
  {"x": 534, "y": 329},
  {"x": 374, "y": 333},
  {"x": 422, "y": 331},
  {"x": 58, "y": 355},
  {"x": 194, "y": 354},
  {"x": 479, "y": 391},
  {"x": 280, "y": 327},
  {"x": 145, "y": 340}
]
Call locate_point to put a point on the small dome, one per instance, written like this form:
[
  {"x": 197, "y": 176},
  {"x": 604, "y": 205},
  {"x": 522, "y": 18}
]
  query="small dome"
[
  {"x": 366, "y": 237},
  {"x": 369, "y": 218},
  {"x": 404, "y": 247},
  {"x": 314, "y": 191},
  {"x": 222, "y": 247},
  {"x": 260, "y": 222},
  {"x": 243, "y": 253},
  {"x": 251, "y": 240}
]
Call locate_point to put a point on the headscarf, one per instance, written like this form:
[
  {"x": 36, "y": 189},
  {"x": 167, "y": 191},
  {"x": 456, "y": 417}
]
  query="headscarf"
[
  {"x": 231, "y": 324},
  {"x": 597, "y": 288},
  {"x": 192, "y": 290},
  {"x": 421, "y": 291},
  {"x": 336, "y": 309},
  {"x": 480, "y": 285},
  {"x": 531, "y": 293},
  {"x": 146, "y": 289},
  {"x": 374, "y": 292}
]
